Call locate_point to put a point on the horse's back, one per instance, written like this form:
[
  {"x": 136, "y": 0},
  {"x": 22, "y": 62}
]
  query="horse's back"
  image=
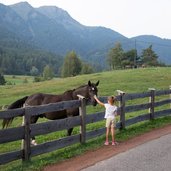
[
  {"x": 34, "y": 99},
  {"x": 42, "y": 98}
]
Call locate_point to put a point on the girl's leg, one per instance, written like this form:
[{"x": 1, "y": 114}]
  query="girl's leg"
[
  {"x": 107, "y": 134},
  {"x": 113, "y": 133},
  {"x": 107, "y": 131}
]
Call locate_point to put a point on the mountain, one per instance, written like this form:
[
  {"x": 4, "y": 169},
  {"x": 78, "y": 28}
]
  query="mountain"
[
  {"x": 52, "y": 29},
  {"x": 18, "y": 51},
  {"x": 160, "y": 46}
]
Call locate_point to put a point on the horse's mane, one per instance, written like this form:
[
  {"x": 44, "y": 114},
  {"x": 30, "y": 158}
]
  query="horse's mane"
[
  {"x": 81, "y": 87},
  {"x": 71, "y": 91}
]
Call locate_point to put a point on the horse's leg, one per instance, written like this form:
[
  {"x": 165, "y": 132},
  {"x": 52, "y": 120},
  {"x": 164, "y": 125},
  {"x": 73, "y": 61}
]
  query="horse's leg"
[
  {"x": 70, "y": 114},
  {"x": 33, "y": 120},
  {"x": 69, "y": 131}
]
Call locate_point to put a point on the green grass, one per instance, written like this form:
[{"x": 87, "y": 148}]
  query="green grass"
[
  {"x": 18, "y": 80},
  {"x": 138, "y": 80},
  {"x": 130, "y": 81},
  {"x": 37, "y": 163}
]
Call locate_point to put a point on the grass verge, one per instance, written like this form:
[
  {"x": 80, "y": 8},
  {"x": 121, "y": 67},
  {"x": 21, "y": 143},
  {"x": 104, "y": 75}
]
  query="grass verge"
[{"x": 37, "y": 163}]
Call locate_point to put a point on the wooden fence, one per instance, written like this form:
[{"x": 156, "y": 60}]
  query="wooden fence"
[{"x": 28, "y": 130}]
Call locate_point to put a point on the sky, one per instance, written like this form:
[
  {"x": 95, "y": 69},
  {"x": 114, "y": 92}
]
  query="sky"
[{"x": 128, "y": 17}]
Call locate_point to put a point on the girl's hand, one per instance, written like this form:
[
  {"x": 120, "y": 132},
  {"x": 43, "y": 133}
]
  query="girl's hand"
[
  {"x": 95, "y": 96},
  {"x": 98, "y": 101}
]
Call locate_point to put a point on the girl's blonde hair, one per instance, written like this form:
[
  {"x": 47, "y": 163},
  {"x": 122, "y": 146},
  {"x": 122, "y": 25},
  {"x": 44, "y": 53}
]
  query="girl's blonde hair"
[{"x": 112, "y": 99}]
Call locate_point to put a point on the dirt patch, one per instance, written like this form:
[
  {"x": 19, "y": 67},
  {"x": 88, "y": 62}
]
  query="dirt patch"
[{"x": 91, "y": 157}]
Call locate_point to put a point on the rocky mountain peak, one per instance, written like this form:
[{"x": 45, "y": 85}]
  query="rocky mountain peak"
[{"x": 23, "y": 9}]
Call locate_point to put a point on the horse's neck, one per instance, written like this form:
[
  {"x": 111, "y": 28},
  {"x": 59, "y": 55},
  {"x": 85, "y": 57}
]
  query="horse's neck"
[{"x": 80, "y": 91}]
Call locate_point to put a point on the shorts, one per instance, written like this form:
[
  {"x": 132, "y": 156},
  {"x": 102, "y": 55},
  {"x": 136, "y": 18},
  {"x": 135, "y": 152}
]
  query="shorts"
[{"x": 110, "y": 122}]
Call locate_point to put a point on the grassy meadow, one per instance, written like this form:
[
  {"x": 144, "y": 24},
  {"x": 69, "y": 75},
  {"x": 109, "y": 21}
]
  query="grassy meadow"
[
  {"x": 137, "y": 80},
  {"x": 129, "y": 81}
]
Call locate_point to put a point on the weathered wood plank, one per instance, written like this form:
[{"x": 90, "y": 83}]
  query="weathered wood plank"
[
  {"x": 118, "y": 98},
  {"x": 122, "y": 108},
  {"x": 133, "y": 108},
  {"x": 161, "y": 113},
  {"x": 137, "y": 119},
  {"x": 37, "y": 110},
  {"x": 104, "y": 99},
  {"x": 136, "y": 95},
  {"x": 54, "y": 145},
  {"x": 162, "y": 92},
  {"x": 44, "y": 128},
  {"x": 82, "y": 112},
  {"x": 92, "y": 118},
  {"x": 95, "y": 133},
  {"x": 11, "y": 113},
  {"x": 163, "y": 102},
  {"x": 27, "y": 138},
  {"x": 151, "y": 101},
  {"x": 99, "y": 132},
  {"x": 120, "y": 92},
  {"x": 118, "y": 125},
  {"x": 11, "y": 134},
  {"x": 11, "y": 156},
  {"x": 56, "y": 125}
]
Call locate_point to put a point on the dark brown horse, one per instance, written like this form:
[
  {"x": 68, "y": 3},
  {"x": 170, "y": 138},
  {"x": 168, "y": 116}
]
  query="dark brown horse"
[{"x": 88, "y": 91}]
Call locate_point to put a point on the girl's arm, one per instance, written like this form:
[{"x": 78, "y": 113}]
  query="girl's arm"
[{"x": 98, "y": 101}]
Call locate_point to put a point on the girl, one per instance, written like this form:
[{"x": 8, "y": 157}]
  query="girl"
[{"x": 110, "y": 113}]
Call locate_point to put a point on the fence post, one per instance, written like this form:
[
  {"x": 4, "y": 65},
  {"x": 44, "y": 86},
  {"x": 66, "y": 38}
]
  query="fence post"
[
  {"x": 82, "y": 112},
  {"x": 122, "y": 108},
  {"x": 26, "y": 142},
  {"x": 151, "y": 101},
  {"x": 170, "y": 94}
]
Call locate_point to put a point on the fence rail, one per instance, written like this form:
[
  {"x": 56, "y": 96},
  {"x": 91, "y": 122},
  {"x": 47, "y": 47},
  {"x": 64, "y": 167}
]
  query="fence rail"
[{"x": 29, "y": 130}]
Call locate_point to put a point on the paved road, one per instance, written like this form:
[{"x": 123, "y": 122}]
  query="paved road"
[{"x": 151, "y": 156}]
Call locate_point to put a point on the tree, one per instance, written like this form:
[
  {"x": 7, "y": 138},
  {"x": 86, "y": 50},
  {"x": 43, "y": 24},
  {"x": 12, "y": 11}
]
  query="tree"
[
  {"x": 2, "y": 80},
  {"x": 25, "y": 62},
  {"x": 130, "y": 59},
  {"x": 86, "y": 69},
  {"x": 72, "y": 65},
  {"x": 149, "y": 57},
  {"x": 115, "y": 56},
  {"x": 34, "y": 71},
  {"x": 47, "y": 73}
]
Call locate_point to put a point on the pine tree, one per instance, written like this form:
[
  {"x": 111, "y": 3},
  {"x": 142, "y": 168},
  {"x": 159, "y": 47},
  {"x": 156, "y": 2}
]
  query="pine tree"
[{"x": 149, "y": 57}]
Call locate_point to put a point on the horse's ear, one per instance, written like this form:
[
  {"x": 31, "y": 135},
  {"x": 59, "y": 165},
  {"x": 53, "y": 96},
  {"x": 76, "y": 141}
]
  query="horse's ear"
[
  {"x": 89, "y": 83},
  {"x": 97, "y": 83}
]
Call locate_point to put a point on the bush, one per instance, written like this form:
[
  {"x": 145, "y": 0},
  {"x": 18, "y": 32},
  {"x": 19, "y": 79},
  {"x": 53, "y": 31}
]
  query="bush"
[
  {"x": 38, "y": 79},
  {"x": 2, "y": 80},
  {"x": 25, "y": 81}
]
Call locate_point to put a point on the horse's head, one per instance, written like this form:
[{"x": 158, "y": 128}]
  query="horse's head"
[{"x": 92, "y": 90}]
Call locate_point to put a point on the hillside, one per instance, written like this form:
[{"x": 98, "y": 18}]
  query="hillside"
[
  {"x": 160, "y": 46},
  {"x": 52, "y": 29},
  {"x": 52, "y": 24},
  {"x": 138, "y": 80}
]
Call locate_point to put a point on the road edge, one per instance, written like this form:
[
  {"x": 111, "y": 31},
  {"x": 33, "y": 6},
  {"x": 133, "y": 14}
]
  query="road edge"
[{"x": 92, "y": 157}]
